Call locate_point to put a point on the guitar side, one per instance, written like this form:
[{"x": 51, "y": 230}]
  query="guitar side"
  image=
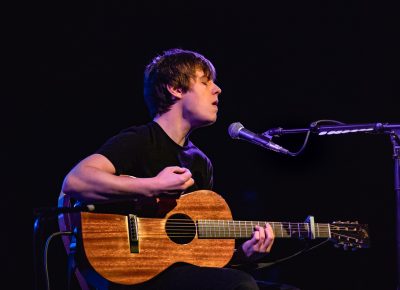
[{"x": 105, "y": 239}]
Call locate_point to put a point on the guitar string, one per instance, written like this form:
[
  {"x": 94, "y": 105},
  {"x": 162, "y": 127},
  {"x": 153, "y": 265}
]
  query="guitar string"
[
  {"x": 243, "y": 223},
  {"x": 241, "y": 227},
  {"x": 231, "y": 234},
  {"x": 240, "y": 234}
]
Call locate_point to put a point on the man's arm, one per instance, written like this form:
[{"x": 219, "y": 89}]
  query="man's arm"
[{"x": 94, "y": 179}]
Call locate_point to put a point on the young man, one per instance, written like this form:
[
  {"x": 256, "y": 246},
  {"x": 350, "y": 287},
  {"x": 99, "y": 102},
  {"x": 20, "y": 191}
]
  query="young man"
[{"x": 158, "y": 159}]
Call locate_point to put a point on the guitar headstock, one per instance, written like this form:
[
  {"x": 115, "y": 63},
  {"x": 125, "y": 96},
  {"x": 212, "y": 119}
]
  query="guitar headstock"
[{"x": 350, "y": 235}]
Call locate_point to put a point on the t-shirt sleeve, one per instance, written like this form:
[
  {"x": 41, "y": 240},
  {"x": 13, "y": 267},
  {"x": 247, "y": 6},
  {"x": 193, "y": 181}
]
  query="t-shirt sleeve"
[{"x": 121, "y": 150}]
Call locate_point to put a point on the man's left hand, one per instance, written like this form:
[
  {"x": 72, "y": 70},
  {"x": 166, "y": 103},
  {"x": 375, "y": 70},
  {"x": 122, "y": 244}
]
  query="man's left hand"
[{"x": 260, "y": 243}]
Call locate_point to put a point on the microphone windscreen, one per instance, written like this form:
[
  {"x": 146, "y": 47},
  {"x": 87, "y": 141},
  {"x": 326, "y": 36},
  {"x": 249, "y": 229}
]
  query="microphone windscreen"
[{"x": 234, "y": 129}]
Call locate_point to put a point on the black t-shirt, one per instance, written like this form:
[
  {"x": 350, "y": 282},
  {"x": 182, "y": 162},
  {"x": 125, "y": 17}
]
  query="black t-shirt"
[{"x": 143, "y": 151}]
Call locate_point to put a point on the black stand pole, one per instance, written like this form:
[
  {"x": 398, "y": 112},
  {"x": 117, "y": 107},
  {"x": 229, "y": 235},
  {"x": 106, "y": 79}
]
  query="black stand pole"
[
  {"x": 392, "y": 129},
  {"x": 395, "y": 138}
]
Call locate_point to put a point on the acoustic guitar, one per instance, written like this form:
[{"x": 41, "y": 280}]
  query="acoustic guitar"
[{"x": 196, "y": 228}]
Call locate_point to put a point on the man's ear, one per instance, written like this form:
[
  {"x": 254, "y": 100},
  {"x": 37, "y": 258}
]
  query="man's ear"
[{"x": 177, "y": 93}]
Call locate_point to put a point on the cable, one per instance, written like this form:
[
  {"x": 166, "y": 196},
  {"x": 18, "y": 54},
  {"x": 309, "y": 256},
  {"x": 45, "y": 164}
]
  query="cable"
[
  {"x": 45, "y": 254},
  {"x": 312, "y": 126},
  {"x": 302, "y": 147},
  {"x": 315, "y": 123},
  {"x": 264, "y": 265}
]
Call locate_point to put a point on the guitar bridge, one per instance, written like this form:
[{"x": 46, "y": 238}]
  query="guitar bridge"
[{"x": 133, "y": 233}]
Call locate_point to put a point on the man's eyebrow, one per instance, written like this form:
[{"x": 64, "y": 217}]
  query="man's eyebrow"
[{"x": 204, "y": 76}]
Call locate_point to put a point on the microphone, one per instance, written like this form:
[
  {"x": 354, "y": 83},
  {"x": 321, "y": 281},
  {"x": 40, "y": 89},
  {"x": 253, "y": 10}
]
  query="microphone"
[{"x": 237, "y": 131}]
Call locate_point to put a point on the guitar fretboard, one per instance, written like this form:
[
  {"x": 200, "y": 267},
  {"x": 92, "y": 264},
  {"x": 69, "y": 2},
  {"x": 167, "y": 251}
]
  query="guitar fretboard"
[{"x": 244, "y": 229}]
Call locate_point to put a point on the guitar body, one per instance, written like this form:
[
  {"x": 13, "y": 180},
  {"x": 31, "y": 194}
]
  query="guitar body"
[
  {"x": 196, "y": 228},
  {"x": 106, "y": 241}
]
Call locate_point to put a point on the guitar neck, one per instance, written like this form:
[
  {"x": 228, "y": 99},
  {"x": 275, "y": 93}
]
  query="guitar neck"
[{"x": 244, "y": 229}]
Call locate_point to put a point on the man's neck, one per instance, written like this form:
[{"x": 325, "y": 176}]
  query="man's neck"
[{"x": 176, "y": 128}]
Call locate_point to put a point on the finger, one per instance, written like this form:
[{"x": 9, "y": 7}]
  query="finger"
[
  {"x": 185, "y": 175},
  {"x": 261, "y": 230},
  {"x": 269, "y": 240},
  {"x": 256, "y": 239},
  {"x": 189, "y": 183},
  {"x": 181, "y": 170}
]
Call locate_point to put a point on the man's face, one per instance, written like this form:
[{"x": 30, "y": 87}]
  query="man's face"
[{"x": 200, "y": 102}]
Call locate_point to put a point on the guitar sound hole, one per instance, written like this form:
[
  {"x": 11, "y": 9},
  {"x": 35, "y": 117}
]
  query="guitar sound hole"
[{"x": 180, "y": 228}]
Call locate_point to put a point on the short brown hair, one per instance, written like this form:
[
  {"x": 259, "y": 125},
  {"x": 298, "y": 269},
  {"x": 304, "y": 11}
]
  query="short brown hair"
[{"x": 174, "y": 67}]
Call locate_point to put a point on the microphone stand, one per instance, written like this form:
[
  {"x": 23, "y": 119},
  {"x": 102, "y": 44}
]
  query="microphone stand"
[{"x": 391, "y": 129}]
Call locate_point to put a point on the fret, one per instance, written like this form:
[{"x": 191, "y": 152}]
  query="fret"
[
  {"x": 290, "y": 229},
  {"x": 250, "y": 228},
  {"x": 318, "y": 235},
  {"x": 223, "y": 222},
  {"x": 281, "y": 230},
  {"x": 298, "y": 226},
  {"x": 308, "y": 230},
  {"x": 198, "y": 226},
  {"x": 273, "y": 227}
]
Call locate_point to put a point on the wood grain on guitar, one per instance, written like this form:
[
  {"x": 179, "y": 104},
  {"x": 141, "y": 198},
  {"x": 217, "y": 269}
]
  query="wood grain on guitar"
[{"x": 197, "y": 228}]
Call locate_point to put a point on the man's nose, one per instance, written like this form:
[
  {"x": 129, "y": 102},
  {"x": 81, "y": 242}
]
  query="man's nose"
[{"x": 217, "y": 90}]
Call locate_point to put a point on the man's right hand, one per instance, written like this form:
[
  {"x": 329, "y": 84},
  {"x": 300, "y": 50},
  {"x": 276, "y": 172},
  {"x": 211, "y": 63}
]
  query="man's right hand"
[{"x": 173, "y": 180}]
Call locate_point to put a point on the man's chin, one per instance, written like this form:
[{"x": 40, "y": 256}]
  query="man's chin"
[{"x": 206, "y": 123}]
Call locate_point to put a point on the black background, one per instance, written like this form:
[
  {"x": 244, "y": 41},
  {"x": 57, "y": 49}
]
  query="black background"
[{"x": 76, "y": 72}]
